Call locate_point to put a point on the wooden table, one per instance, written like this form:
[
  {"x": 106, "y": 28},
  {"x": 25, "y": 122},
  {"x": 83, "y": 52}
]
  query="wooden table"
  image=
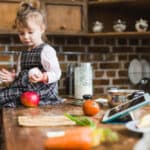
[{"x": 31, "y": 138}]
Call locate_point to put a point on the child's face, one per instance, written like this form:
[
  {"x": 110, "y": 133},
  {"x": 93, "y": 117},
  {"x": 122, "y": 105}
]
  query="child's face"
[{"x": 31, "y": 36}]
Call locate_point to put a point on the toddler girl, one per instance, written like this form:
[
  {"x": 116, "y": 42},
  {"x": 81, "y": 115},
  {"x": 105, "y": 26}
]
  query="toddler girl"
[{"x": 31, "y": 26}]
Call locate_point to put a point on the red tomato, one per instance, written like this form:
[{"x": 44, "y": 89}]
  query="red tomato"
[{"x": 90, "y": 107}]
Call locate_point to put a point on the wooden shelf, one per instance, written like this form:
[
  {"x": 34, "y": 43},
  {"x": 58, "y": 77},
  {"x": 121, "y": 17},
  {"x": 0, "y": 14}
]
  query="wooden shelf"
[
  {"x": 96, "y": 2},
  {"x": 105, "y": 34},
  {"x": 65, "y": 2},
  {"x": 121, "y": 34},
  {"x": 84, "y": 34}
]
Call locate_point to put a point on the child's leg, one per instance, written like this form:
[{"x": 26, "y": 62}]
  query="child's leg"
[
  {"x": 10, "y": 96},
  {"x": 49, "y": 95}
]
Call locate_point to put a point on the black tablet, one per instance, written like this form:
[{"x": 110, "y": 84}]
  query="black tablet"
[{"x": 124, "y": 108}]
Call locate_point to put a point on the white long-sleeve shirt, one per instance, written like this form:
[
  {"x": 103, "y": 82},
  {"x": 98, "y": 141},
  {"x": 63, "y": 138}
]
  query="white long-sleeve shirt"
[{"x": 50, "y": 63}]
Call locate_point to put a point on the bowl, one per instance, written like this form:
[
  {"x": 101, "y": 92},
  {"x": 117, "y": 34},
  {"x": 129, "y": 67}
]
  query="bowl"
[{"x": 118, "y": 96}]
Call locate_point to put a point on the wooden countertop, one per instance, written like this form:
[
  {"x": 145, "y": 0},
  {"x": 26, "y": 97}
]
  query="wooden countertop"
[{"x": 31, "y": 138}]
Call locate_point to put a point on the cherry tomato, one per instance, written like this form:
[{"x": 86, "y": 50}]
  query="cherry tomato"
[{"x": 90, "y": 107}]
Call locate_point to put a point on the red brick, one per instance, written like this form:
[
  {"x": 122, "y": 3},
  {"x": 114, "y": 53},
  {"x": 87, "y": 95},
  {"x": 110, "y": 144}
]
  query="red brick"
[
  {"x": 134, "y": 42},
  {"x": 111, "y": 73},
  {"x": 17, "y": 48},
  {"x": 122, "y": 41},
  {"x": 99, "y": 74},
  {"x": 110, "y": 57},
  {"x": 101, "y": 82},
  {"x": 121, "y": 81},
  {"x": 123, "y": 49},
  {"x": 64, "y": 66},
  {"x": 72, "y": 40},
  {"x": 15, "y": 39},
  {"x": 59, "y": 40},
  {"x": 143, "y": 49},
  {"x": 123, "y": 57},
  {"x": 98, "y": 49},
  {"x": 110, "y": 41},
  {"x": 95, "y": 66},
  {"x": 98, "y": 91},
  {"x": 146, "y": 41},
  {"x": 85, "y": 40},
  {"x": 109, "y": 65},
  {"x": 123, "y": 87},
  {"x": 85, "y": 57},
  {"x": 99, "y": 40},
  {"x": 123, "y": 73},
  {"x": 61, "y": 57},
  {"x": 89, "y": 57},
  {"x": 72, "y": 57},
  {"x": 2, "y": 48},
  {"x": 147, "y": 57},
  {"x": 5, "y": 58},
  {"x": 126, "y": 65},
  {"x": 74, "y": 49},
  {"x": 5, "y": 39},
  {"x": 133, "y": 56}
]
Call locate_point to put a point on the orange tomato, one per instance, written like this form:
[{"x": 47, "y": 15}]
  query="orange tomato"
[{"x": 90, "y": 107}]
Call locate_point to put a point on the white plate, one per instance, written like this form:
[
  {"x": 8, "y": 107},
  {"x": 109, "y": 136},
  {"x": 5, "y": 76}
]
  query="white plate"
[
  {"x": 135, "y": 71},
  {"x": 145, "y": 68},
  {"x": 132, "y": 125}
]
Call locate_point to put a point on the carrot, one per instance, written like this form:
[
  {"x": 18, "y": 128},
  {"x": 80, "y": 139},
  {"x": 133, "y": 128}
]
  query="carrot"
[{"x": 79, "y": 138}]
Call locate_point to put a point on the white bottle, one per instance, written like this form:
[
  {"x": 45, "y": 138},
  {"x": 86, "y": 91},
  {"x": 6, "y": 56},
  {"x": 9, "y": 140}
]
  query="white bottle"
[{"x": 83, "y": 80}]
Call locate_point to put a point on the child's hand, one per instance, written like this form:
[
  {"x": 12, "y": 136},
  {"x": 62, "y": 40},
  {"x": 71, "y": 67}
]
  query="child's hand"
[
  {"x": 35, "y": 75},
  {"x": 7, "y": 76}
]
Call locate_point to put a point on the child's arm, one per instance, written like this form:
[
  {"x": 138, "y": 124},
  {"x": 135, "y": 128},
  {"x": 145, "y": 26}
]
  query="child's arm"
[{"x": 50, "y": 63}]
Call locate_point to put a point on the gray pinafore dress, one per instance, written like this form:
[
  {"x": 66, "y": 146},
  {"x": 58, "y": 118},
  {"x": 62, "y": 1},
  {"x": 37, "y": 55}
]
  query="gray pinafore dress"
[{"x": 10, "y": 96}]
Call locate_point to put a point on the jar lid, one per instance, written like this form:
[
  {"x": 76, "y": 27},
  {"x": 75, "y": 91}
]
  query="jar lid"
[{"x": 87, "y": 96}]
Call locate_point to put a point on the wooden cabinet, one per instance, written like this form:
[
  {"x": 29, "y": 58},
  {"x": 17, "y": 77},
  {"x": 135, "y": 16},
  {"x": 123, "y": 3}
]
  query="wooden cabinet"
[
  {"x": 7, "y": 15},
  {"x": 63, "y": 16},
  {"x": 66, "y": 16}
]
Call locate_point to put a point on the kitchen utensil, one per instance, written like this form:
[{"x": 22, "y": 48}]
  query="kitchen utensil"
[
  {"x": 135, "y": 71},
  {"x": 119, "y": 26},
  {"x": 117, "y": 96},
  {"x": 70, "y": 80},
  {"x": 145, "y": 68},
  {"x": 97, "y": 27},
  {"x": 132, "y": 125},
  {"x": 141, "y": 25}
]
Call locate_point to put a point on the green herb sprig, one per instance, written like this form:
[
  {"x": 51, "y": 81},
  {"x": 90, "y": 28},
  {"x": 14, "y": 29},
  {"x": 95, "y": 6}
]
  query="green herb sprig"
[{"x": 81, "y": 120}]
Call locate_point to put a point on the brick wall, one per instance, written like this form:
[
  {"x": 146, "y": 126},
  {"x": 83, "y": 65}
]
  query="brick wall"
[{"x": 109, "y": 56}]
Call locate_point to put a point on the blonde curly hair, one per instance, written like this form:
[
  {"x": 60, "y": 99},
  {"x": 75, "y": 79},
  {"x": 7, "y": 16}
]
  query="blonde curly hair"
[{"x": 29, "y": 9}]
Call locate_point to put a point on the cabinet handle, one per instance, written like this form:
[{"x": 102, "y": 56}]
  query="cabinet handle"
[{"x": 62, "y": 27}]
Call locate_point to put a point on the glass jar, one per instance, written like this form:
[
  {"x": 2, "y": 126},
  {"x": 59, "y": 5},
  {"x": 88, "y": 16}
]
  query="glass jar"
[{"x": 83, "y": 84}]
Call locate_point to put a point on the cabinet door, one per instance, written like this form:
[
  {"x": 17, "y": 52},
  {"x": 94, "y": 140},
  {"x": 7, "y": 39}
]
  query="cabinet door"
[
  {"x": 7, "y": 15},
  {"x": 64, "y": 18}
]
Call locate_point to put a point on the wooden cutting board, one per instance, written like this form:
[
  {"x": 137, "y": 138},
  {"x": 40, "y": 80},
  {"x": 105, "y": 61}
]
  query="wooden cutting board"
[{"x": 40, "y": 120}]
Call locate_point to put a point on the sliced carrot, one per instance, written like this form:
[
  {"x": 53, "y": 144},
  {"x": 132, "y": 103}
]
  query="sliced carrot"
[{"x": 79, "y": 138}]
